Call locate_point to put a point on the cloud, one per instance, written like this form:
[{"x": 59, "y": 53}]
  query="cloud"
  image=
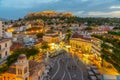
[
  {"x": 78, "y": 13},
  {"x": 84, "y": 0},
  {"x": 18, "y": 8},
  {"x": 104, "y": 14},
  {"x": 24, "y": 3},
  {"x": 114, "y": 7}
]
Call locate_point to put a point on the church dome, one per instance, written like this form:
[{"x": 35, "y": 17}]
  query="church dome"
[{"x": 22, "y": 56}]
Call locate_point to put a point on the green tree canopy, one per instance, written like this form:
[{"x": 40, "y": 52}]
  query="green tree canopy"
[{"x": 39, "y": 35}]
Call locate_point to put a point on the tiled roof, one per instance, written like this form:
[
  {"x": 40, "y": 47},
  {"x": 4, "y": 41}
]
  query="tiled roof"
[
  {"x": 12, "y": 69},
  {"x": 50, "y": 31},
  {"x": 16, "y": 45},
  {"x": 34, "y": 67},
  {"x": 77, "y": 35},
  {"x": 56, "y": 35}
]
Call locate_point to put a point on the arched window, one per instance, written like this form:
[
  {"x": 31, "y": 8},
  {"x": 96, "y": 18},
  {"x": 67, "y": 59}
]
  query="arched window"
[
  {"x": 5, "y": 44},
  {"x": 19, "y": 71},
  {"x": 6, "y": 53},
  {"x": 25, "y": 70}
]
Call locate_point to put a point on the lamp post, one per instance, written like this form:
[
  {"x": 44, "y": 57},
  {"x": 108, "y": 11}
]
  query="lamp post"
[
  {"x": 47, "y": 57},
  {"x": 68, "y": 48}
]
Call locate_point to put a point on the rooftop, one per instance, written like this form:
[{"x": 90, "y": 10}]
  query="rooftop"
[
  {"x": 34, "y": 67},
  {"x": 22, "y": 56},
  {"x": 50, "y": 31},
  {"x": 77, "y": 35},
  {"x": 2, "y": 40}
]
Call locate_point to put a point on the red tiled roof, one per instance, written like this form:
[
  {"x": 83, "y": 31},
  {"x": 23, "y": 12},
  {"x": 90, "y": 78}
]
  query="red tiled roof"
[
  {"x": 76, "y": 35},
  {"x": 34, "y": 66},
  {"x": 15, "y": 46},
  {"x": 50, "y": 31},
  {"x": 12, "y": 69}
]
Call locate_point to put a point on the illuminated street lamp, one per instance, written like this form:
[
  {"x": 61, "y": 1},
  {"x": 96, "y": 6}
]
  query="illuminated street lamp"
[
  {"x": 25, "y": 32},
  {"x": 68, "y": 48},
  {"x": 52, "y": 46},
  {"x": 37, "y": 31},
  {"x": 47, "y": 56}
]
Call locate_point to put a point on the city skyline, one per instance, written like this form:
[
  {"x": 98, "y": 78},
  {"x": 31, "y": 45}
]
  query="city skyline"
[{"x": 12, "y": 9}]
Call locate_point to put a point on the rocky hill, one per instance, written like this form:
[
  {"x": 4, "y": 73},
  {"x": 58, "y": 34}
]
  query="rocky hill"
[{"x": 49, "y": 14}]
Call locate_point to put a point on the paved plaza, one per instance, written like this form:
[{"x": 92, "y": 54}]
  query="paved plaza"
[{"x": 66, "y": 67}]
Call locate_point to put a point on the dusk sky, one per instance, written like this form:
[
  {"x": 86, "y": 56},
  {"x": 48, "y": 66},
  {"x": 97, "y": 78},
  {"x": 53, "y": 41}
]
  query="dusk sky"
[{"x": 14, "y": 9}]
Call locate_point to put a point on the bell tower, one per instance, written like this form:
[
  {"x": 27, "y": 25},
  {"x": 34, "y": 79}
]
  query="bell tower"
[{"x": 22, "y": 68}]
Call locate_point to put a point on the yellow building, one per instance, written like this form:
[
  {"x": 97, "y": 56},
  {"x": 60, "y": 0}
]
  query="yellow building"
[
  {"x": 80, "y": 43},
  {"x": 51, "y": 37},
  {"x": 24, "y": 70}
]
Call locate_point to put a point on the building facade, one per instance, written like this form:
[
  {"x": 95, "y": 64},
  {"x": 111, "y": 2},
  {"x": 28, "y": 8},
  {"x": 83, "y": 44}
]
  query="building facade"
[
  {"x": 96, "y": 45},
  {"x": 80, "y": 43},
  {"x": 1, "y": 29},
  {"x": 5, "y": 45},
  {"x": 51, "y": 37},
  {"x": 24, "y": 69},
  {"x": 85, "y": 44}
]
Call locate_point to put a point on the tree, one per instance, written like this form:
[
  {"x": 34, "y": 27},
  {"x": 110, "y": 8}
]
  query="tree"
[
  {"x": 45, "y": 47},
  {"x": 13, "y": 57},
  {"x": 39, "y": 35},
  {"x": 102, "y": 57},
  {"x": 69, "y": 31},
  {"x": 63, "y": 26},
  {"x": 52, "y": 28},
  {"x": 88, "y": 28}
]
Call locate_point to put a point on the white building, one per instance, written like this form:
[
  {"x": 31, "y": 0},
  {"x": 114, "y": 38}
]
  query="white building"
[
  {"x": 1, "y": 29},
  {"x": 4, "y": 49},
  {"x": 8, "y": 34},
  {"x": 4, "y": 45},
  {"x": 28, "y": 41}
]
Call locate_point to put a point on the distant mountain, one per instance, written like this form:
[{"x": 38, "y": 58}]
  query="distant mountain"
[{"x": 3, "y": 19}]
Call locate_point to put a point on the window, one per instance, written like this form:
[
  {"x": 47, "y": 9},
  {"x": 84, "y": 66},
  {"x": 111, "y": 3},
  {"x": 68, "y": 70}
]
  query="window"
[
  {"x": 5, "y": 44},
  {"x": 0, "y": 47},
  {"x": 25, "y": 70},
  {"x": 0, "y": 56},
  {"x": 19, "y": 71},
  {"x": 39, "y": 78},
  {"x": 26, "y": 79},
  {"x": 6, "y": 53}
]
